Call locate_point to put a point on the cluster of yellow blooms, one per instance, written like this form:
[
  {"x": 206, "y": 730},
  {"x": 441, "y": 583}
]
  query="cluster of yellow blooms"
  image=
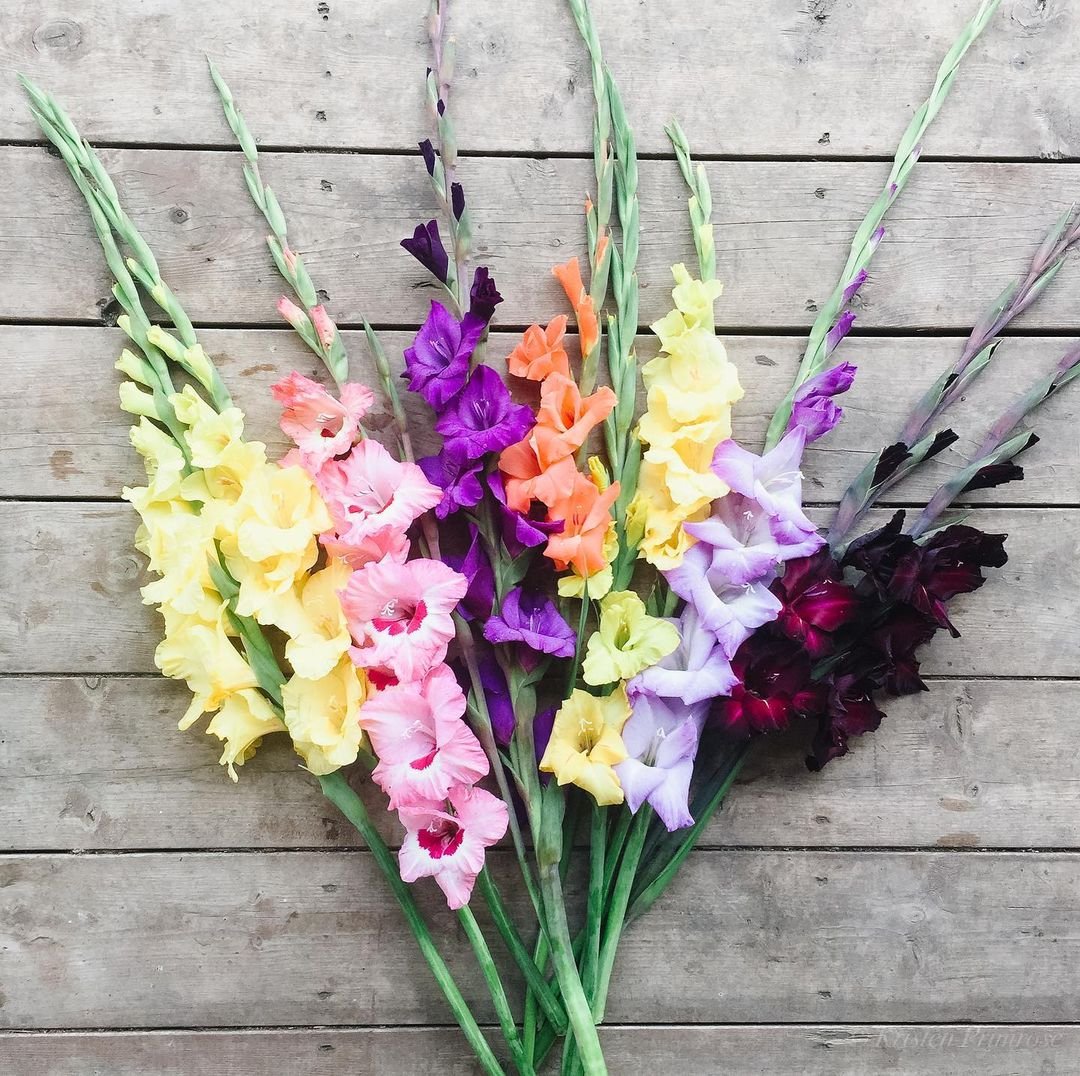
[
  {"x": 586, "y": 739},
  {"x": 691, "y": 386},
  {"x": 218, "y": 499}
]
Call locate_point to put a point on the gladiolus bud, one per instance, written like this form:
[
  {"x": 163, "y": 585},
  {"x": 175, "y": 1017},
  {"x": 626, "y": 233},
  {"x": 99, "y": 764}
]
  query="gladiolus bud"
[
  {"x": 166, "y": 342},
  {"x": 136, "y": 402},
  {"x": 197, "y": 361},
  {"x": 129, "y": 363},
  {"x": 324, "y": 325},
  {"x": 292, "y": 313}
]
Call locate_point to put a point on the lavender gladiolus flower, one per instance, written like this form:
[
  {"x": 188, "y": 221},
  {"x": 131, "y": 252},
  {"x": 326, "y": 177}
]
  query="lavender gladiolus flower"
[
  {"x": 773, "y": 480},
  {"x": 662, "y": 738},
  {"x": 813, "y": 409},
  {"x": 482, "y": 418},
  {"x": 696, "y": 671},
  {"x": 731, "y": 611},
  {"x": 483, "y": 296},
  {"x": 437, "y": 364},
  {"x": 427, "y": 248},
  {"x": 533, "y": 620},
  {"x": 457, "y": 476}
]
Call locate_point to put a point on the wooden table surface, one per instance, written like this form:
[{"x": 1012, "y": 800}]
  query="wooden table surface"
[{"x": 914, "y": 909}]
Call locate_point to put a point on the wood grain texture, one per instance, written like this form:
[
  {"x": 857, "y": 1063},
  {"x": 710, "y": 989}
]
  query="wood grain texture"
[
  {"x": 960, "y": 233},
  {"x": 775, "y": 77},
  {"x": 51, "y": 449},
  {"x": 97, "y": 763},
  {"x": 766, "y": 1050},
  {"x": 90, "y": 618},
  {"x": 297, "y": 938}
]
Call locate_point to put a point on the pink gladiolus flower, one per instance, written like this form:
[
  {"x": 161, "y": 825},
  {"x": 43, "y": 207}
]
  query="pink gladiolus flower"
[
  {"x": 324, "y": 325},
  {"x": 400, "y": 615},
  {"x": 321, "y": 426},
  {"x": 292, "y": 313},
  {"x": 382, "y": 545},
  {"x": 369, "y": 491},
  {"x": 425, "y": 748},
  {"x": 449, "y": 847}
]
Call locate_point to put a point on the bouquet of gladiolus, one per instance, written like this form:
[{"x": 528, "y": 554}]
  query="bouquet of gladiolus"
[{"x": 577, "y": 616}]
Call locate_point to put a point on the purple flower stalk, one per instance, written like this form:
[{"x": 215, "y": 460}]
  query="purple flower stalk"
[{"x": 532, "y": 620}]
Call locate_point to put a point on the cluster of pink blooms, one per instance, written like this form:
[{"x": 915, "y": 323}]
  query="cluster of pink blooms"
[{"x": 399, "y": 613}]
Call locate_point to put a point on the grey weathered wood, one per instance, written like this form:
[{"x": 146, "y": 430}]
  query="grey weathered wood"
[
  {"x": 312, "y": 938},
  {"x": 764, "y": 1050},
  {"x": 97, "y": 763},
  {"x": 50, "y": 449},
  {"x": 961, "y": 232},
  {"x": 75, "y": 605},
  {"x": 773, "y": 77}
]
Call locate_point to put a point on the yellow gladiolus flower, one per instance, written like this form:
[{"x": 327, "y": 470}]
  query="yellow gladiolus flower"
[
  {"x": 687, "y": 472},
  {"x": 320, "y": 635},
  {"x": 200, "y": 652},
  {"x": 627, "y": 640},
  {"x": 694, "y": 301},
  {"x": 242, "y": 722},
  {"x": 179, "y": 547},
  {"x": 277, "y": 518},
  {"x": 586, "y": 743},
  {"x": 323, "y": 716}
]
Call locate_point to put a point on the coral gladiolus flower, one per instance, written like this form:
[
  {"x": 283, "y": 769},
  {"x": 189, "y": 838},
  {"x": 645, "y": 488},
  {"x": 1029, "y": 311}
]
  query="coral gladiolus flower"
[
  {"x": 541, "y": 353},
  {"x": 531, "y": 475},
  {"x": 585, "y": 515},
  {"x": 448, "y": 845},
  {"x": 425, "y": 748},
  {"x": 585, "y": 743},
  {"x": 320, "y": 426},
  {"x": 569, "y": 276},
  {"x": 400, "y": 615},
  {"x": 567, "y": 414}
]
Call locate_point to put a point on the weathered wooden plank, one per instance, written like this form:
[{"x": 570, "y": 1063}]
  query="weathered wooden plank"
[
  {"x": 97, "y": 763},
  {"x": 764, "y": 1050},
  {"x": 74, "y": 604},
  {"x": 819, "y": 79},
  {"x": 49, "y": 447},
  {"x": 299, "y": 938},
  {"x": 961, "y": 232}
]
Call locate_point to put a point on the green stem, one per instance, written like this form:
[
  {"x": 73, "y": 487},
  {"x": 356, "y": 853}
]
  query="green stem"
[
  {"x": 595, "y": 905},
  {"x": 337, "y": 791},
  {"x": 538, "y": 985},
  {"x": 495, "y": 987},
  {"x": 616, "y": 915},
  {"x": 614, "y": 851},
  {"x": 578, "y": 1010}
]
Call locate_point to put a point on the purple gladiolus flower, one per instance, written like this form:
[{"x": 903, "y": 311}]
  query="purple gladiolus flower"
[
  {"x": 838, "y": 331},
  {"x": 814, "y": 410},
  {"x": 662, "y": 738},
  {"x": 482, "y": 418},
  {"x": 773, "y": 480},
  {"x": 475, "y": 566},
  {"x": 483, "y": 296},
  {"x": 457, "y": 476},
  {"x": 437, "y": 364},
  {"x": 533, "y": 620},
  {"x": 696, "y": 671},
  {"x": 427, "y": 248},
  {"x": 520, "y": 531},
  {"x": 497, "y": 695},
  {"x": 731, "y": 611},
  {"x": 457, "y": 200}
]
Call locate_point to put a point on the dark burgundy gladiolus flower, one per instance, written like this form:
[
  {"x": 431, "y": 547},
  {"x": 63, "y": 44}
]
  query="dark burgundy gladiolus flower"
[
  {"x": 850, "y": 712},
  {"x": 927, "y": 576},
  {"x": 427, "y": 150},
  {"x": 816, "y": 602},
  {"x": 875, "y": 554},
  {"x": 426, "y": 247},
  {"x": 774, "y": 688},
  {"x": 995, "y": 474},
  {"x": 457, "y": 200},
  {"x": 893, "y": 645}
]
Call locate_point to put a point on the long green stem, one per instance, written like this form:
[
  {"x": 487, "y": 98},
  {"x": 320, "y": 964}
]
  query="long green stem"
[
  {"x": 495, "y": 988},
  {"x": 337, "y": 791},
  {"x": 539, "y": 986},
  {"x": 578, "y": 1010}
]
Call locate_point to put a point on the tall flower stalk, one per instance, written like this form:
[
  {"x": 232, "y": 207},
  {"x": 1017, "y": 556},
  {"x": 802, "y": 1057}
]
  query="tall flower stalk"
[{"x": 870, "y": 232}]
